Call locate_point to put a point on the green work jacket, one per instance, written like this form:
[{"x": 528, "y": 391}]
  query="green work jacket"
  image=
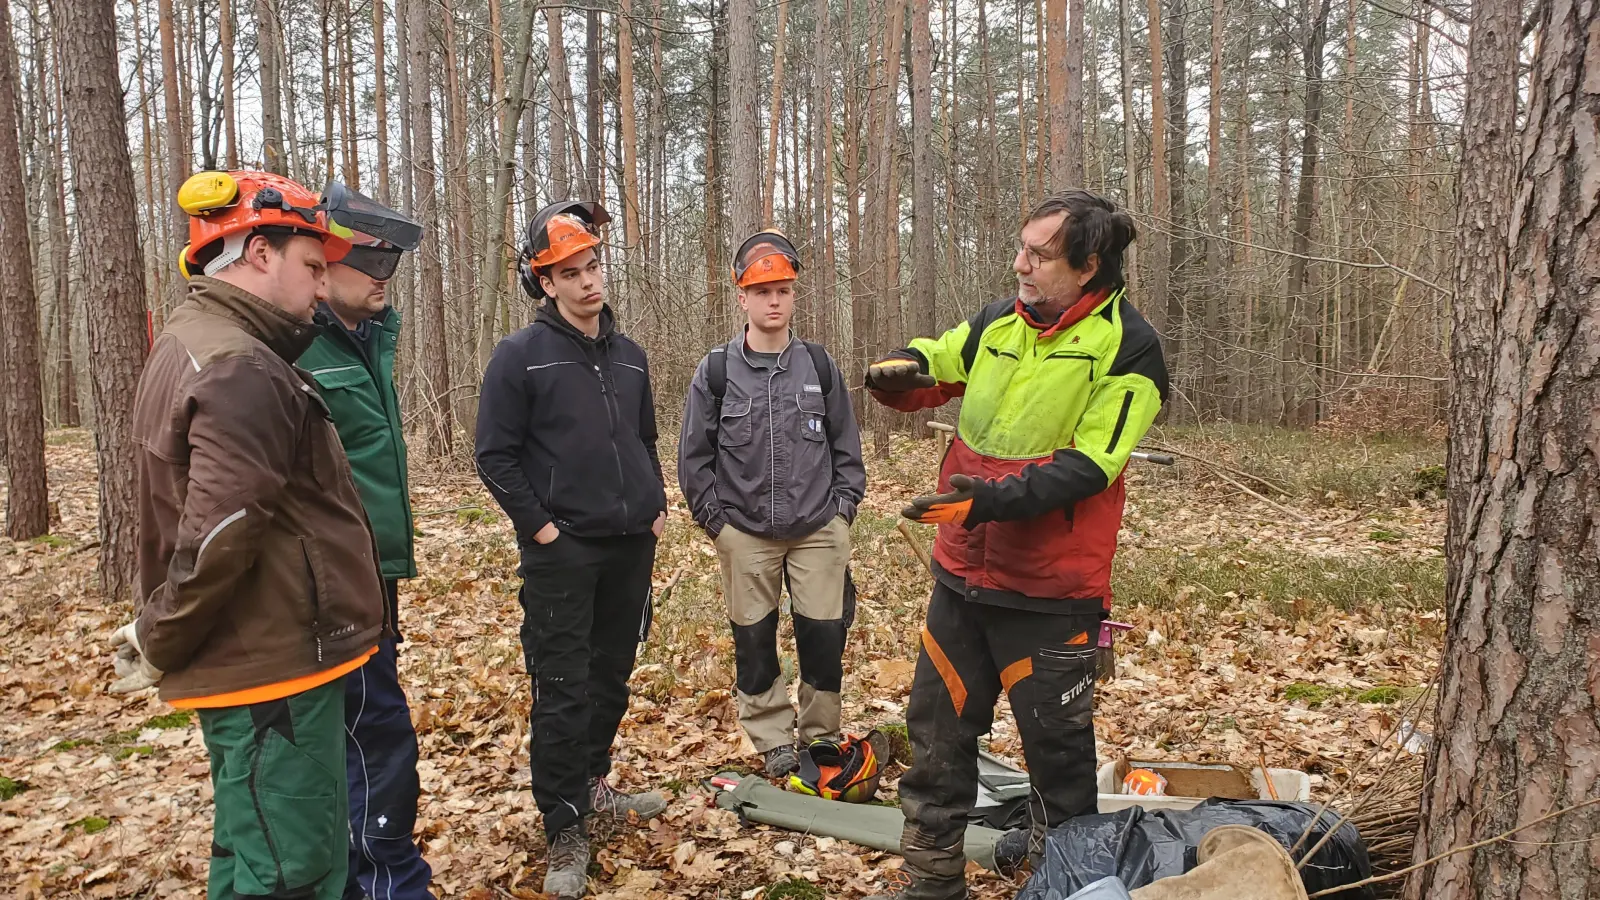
[{"x": 358, "y": 386}]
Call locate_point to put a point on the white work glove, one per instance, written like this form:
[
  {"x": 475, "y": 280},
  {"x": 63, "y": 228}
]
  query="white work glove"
[{"x": 134, "y": 672}]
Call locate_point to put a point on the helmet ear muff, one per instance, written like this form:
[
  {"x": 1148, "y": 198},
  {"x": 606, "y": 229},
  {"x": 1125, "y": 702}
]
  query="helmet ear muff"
[{"x": 526, "y": 276}]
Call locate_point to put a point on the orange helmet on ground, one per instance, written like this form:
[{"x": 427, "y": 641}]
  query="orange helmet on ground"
[
  {"x": 555, "y": 233},
  {"x": 846, "y": 769},
  {"x": 227, "y": 207},
  {"x": 765, "y": 256}
]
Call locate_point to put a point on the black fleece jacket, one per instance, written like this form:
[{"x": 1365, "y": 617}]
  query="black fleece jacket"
[{"x": 567, "y": 430}]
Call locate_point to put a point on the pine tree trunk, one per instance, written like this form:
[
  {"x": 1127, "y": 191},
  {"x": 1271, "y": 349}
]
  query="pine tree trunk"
[
  {"x": 924, "y": 242},
  {"x": 1517, "y": 734},
  {"x": 634, "y": 252},
  {"x": 27, "y": 496},
  {"x": 230, "y": 115},
  {"x": 1210, "y": 393},
  {"x": 774, "y": 116},
  {"x": 269, "y": 55},
  {"x": 328, "y": 103},
  {"x": 1160, "y": 198},
  {"x": 596, "y": 112},
  {"x": 826, "y": 277},
  {"x": 1175, "y": 68},
  {"x": 380, "y": 101},
  {"x": 712, "y": 236},
  {"x": 1129, "y": 173},
  {"x": 434, "y": 393},
  {"x": 178, "y": 142},
  {"x": 745, "y": 112},
  {"x": 113, "y": 282},
  {"x": 561, "y": 107},
  {"x": 1301, "y": 403}
]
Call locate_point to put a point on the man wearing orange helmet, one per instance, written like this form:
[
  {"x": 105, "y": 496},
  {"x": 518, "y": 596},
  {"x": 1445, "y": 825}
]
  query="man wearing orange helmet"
[
  {"x": 770, "y": 461},
  {"x": 259, "y": 581},
  {"x": 566, "y": 443}
]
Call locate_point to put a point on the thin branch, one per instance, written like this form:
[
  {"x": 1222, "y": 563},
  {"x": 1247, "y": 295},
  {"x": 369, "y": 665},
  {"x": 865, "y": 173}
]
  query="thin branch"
[{"x": 1376, "y": 879}]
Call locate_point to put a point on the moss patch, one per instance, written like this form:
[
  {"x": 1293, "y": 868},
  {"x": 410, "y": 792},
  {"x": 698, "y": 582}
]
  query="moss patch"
[{"x": 795, "y": 889}]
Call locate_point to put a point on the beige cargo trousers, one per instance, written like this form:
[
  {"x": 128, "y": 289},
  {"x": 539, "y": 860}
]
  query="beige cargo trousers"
[{"x": 755, "y": 571}]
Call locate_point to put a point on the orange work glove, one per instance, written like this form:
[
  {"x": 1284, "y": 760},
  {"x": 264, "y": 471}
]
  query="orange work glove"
[
  {"x": 895, "y": 375},
  {"x": 944, "y": 509}
]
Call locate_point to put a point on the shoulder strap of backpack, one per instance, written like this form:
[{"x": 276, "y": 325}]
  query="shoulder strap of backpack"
[
  {"x": 819, "y": 359},
  {"x": 717, "y": 375}
]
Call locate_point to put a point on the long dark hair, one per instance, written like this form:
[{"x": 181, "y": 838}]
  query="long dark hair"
[{"x": 1093, "y": 225}]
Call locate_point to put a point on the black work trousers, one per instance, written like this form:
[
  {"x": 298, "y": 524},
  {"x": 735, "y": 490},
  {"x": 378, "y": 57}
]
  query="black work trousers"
[
  {"x": 585, "y": 607},
  {"x": 970, "y": 653}
]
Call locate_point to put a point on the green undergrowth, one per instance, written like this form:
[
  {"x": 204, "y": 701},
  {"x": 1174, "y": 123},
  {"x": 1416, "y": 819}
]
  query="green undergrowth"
[
  {"x": 1292, "y": 585},
  {"x": 795, "y": 889},
  {"x": 1336, "y": 470},
  {"x": 1315, "y": 695},
  {"x": 10, "y": 787}
]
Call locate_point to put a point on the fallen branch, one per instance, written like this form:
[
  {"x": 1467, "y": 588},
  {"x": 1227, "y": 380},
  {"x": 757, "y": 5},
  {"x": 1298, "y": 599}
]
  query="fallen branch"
[
  {"x": 1448, "y": 853},
  {"x": 916, "y": 545},
  {"x": 1219, "y": 466},
  {"x": 666, "y": 589},
  {"x": 439, "y": 512}
]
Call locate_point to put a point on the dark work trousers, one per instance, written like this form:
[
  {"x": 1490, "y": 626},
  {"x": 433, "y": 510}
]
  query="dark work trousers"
[
  {"x": 381, "y": 766},
  {"x": 585, "y": 608},
  {"x": 970, "y": 653}
]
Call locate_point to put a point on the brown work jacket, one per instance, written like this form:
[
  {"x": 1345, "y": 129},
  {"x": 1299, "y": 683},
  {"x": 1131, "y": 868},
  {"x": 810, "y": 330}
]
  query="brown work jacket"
[{"x": 256, "y": 562}]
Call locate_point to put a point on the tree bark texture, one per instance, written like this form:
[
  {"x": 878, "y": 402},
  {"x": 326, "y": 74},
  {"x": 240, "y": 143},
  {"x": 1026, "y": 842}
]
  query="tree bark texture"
[
  {"x": 1519, "y": 705},
  {"x": 113, "y": 276},
  {"x": 775, "y": 115},
  {"x": 1301, "y": 400},
  {"x": 435, "y": 388},
  {"x": 27, "y": 495},
  {"x": 561, "y": 107},
  {"x": 924, "y": 238},
  {"x": 745, "y": 115},
  {"x": 269, "y": 54}
]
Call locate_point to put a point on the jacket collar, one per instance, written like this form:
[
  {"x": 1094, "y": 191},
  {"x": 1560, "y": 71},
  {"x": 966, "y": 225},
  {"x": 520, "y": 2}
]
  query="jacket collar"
[
  {"x": 553, "y": 317},
  {"x": 1071, "y": 316},
  {"x": 739, "y": 344},
  {"x": 285, "y": 335}
]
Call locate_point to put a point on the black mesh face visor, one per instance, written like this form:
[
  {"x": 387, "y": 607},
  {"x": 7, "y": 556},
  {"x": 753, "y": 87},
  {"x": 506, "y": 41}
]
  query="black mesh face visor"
[
  {"x": 364, "y": 215},
  {"x": 377, "y": 263}
]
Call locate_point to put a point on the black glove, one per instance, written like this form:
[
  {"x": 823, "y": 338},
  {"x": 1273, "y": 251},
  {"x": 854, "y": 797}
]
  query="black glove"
[{"x": 895, "y": 375}]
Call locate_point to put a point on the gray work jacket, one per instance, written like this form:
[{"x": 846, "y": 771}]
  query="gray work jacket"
[{"x": 780, "y": 460}]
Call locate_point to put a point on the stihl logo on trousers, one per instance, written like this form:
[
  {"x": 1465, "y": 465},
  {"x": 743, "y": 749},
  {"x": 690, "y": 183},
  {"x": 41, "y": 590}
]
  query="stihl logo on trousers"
[{"x": 1077, "y": 690}]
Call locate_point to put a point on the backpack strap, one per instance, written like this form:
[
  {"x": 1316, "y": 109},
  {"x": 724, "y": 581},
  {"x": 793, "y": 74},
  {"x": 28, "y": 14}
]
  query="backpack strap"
[
  {"x": 819, "y": 359},
  {"x": 717, "y": 376}
]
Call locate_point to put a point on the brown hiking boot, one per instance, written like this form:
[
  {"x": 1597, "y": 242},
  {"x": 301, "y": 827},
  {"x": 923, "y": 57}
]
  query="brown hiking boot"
[
  {"x": 906, "y": 883},
  {"x": 567, "y": 875}
]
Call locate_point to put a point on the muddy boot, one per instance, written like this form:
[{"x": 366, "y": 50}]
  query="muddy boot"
[
  {"x": 567, "y": 876},
  {"x": 906, "y": 883},
  {"x": 606, "y": 800}
]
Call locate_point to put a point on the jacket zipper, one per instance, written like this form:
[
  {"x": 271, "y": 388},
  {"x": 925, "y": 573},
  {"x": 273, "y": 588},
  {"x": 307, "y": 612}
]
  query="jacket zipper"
[
  {"x": 612, "y": 413},
  {"x": 316, "y": 600}
]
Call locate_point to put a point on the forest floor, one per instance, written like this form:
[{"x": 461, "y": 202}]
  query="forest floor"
[{"x": 1296, "y": 624}]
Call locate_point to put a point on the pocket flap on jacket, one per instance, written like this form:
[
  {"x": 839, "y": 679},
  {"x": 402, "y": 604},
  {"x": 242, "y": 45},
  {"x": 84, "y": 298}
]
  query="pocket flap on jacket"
[{"x": 342, "y": 376}]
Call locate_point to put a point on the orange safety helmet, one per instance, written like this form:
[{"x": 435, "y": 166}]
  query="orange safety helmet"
[
  {"x": 765, "y": 256},
  {"x": 230, "y": 206},
  {"x": 846, "y": 770},
  {"x": 555, "y": 233}
]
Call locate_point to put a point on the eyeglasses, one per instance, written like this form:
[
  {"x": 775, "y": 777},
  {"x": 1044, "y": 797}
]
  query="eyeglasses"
[{"x": 1034, "y": 257}]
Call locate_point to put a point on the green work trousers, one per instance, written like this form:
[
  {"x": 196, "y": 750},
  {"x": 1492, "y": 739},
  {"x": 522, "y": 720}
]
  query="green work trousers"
[{"x": 278, "y": 773}]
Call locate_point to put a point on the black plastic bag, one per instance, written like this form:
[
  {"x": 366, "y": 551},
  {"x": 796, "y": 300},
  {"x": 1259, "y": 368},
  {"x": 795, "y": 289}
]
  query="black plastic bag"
[{"x": 1140, "y": 846}]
